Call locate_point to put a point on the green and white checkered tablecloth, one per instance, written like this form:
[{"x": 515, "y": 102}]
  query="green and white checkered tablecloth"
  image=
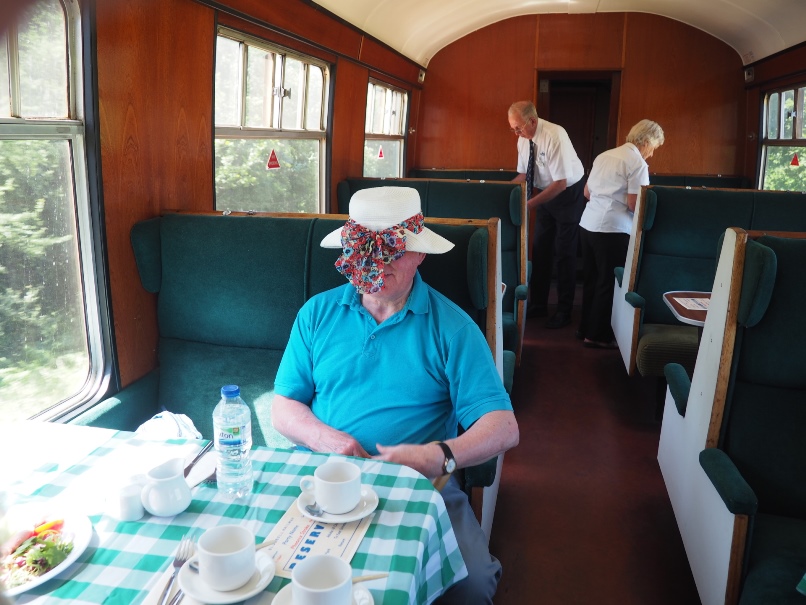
[{"x": 410, "y": 535}]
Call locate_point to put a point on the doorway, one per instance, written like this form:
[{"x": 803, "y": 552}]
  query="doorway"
[{"x": 586, "y": 105}]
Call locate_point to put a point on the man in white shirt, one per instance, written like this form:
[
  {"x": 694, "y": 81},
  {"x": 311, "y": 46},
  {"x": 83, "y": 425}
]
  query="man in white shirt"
[{"x": 554, "y": 185}]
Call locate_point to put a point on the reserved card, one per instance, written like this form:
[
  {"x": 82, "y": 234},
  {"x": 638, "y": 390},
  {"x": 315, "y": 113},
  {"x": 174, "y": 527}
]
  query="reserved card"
[
  {"x": 695, "y": 304},
  {"x": 296, "y": 537}
]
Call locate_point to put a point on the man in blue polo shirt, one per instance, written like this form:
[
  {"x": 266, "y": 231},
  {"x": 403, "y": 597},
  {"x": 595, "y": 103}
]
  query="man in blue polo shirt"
[{"x": 387, "y": 367}]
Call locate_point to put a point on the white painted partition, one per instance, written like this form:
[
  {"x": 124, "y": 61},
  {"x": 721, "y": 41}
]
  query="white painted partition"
[
  {"x": 705, "y": 524},
  {"x": 624, "y": 318},
  {"x": 491, "y": 492}
]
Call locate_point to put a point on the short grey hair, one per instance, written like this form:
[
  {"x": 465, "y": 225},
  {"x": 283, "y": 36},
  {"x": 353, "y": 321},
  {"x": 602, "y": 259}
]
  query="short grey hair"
[
  {"x": 524, "y": 109},
  {"x": 646, "y": 132}
]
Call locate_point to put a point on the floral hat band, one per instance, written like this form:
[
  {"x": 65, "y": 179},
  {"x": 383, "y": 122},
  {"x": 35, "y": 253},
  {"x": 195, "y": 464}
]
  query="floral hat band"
[
  {"x": 365, "y": 252},
  {"x": 384, "y": 223}
]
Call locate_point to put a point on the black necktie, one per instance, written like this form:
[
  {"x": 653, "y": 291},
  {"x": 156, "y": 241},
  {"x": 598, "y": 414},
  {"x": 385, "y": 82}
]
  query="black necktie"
[{"x": 530, "y": 170}]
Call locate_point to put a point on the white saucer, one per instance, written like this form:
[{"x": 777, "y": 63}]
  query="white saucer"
[
  {"x": 190, "y": 581},
  {"x": 367, "y": 505},
  {"x": 361, "y": 596}
]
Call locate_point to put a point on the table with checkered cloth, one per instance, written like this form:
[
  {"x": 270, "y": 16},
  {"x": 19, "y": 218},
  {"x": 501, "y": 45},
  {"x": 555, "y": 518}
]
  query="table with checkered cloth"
[{"x": 410, "y": 535}]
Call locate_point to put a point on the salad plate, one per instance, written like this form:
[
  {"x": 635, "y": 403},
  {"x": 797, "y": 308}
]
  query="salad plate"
[
  {"x": 76, "y": 528},
  {"x": 367, "y": 505}
]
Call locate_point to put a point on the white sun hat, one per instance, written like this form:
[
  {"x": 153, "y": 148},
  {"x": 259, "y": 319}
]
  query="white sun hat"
[{"x": 379, "y": 208}]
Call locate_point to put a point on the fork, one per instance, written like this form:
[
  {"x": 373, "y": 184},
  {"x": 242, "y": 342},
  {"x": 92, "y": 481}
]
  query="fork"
[{"x": 183, "y": 552}]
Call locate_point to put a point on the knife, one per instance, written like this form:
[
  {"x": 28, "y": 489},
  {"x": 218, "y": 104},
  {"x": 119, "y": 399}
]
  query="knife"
[{"x": 198, "y": 457}]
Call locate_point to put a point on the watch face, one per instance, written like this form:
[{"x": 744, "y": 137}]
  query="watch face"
[{"x": 450, "y": 465}]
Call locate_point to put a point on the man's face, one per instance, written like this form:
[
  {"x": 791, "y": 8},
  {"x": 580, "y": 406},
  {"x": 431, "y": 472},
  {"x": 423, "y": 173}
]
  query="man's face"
[
  {"x": 399, "y": 274},
  {"x": 522, "y": 128}
]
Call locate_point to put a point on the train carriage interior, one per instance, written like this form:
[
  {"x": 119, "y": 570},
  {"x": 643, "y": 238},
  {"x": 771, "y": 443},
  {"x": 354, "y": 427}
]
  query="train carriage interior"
[{"x": 169, "y": 167}]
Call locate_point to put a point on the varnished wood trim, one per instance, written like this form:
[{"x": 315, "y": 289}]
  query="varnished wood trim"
[
  {"x": 728, "y": 341},
  {"x": 737, "y": 548}
]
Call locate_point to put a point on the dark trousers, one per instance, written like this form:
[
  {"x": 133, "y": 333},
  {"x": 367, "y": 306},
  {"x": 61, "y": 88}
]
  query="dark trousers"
[
  {"x": 556, "y": 228},
  {"x": 601, "y": 254}
]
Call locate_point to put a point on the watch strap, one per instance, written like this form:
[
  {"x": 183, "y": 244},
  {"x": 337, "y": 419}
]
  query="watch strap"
[{"x": 448, "y": 456}]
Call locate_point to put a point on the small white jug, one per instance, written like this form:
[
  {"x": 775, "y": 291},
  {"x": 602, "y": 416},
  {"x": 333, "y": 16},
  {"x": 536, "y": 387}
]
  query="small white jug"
[{"x": 166, "y": 493}]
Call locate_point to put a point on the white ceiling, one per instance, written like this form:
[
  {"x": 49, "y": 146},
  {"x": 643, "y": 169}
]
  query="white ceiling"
[{"x": 420, "y": 28}]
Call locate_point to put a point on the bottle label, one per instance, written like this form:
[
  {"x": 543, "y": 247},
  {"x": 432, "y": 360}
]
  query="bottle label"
[{"x": 230, "y": 436}]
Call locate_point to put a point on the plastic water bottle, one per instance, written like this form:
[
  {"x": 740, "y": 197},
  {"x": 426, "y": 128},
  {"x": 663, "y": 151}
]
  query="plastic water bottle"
[{"x": 232, "y": 425}]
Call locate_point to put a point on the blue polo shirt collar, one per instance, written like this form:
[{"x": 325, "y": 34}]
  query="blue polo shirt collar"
[{"x": 417, "y": 302}]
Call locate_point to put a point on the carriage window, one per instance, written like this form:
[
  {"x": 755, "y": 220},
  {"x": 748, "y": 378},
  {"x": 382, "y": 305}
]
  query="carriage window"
[
  {"x": 270, "y": 139},
  {"x": 51, "y": 354},
  {"x": 783, "y": 156},
  {"x": 385, "y": 131}
]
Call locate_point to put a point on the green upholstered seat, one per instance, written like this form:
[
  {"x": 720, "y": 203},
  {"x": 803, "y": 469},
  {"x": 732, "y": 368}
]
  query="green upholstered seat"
[
  {"x": 678, "y": 245},
  {"x": 228, "y": 290},
  {"x": 660, "y": 342},
  {"x": 761, "y": 456}
]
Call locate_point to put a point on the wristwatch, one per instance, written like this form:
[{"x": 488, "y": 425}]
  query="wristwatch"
[{"x": 450, "y": 462}]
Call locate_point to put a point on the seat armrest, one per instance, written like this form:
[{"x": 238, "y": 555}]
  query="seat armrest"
[
  {"x": 619, "y": 272},
  {"x": 635, "y": 300},
  {"x": 481, "y": 475},
  {"x": 127, "y": 409},
  {"x": 509, "y": 370},
  {"x": 521, "y": 292},
  {"x": 679, "y": 385},
  {"x": 736, "y": 493}
]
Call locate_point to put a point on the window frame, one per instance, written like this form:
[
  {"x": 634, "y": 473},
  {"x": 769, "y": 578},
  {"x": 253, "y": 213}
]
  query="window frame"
[
  {"x": 83, "y": 145},
  {"x": 404, "y": 119},
  {"x": 798, "y": 124},
  {"x": 241, "y": 131}
]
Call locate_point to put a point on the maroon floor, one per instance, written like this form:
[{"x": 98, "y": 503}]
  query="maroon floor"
[{"x": 582, "y": 515}]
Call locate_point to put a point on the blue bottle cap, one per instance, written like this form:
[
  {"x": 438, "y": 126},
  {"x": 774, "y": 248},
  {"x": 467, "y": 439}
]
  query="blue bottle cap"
[{"x": 230, "y": 390}]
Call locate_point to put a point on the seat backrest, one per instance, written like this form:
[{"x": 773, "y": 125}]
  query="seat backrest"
[
  {"x": 455, "y": 199},
  {"x": 765, "y": 413},
  {"x": 679, "y": 242},
  {"x": 475, "y": 174}
]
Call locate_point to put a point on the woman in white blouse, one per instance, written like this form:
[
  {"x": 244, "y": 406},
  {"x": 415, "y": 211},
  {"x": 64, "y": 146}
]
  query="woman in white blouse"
[{"x": 612, "y": 190}]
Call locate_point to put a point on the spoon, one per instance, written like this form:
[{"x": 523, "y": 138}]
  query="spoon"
[{"x": 314, "y": 509}]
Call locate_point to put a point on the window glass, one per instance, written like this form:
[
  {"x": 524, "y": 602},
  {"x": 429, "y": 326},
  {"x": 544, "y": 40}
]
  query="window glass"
[
  {"x": 259, "y": 83},
  {"x": 227, "y": 82},
  {"x": 43, "y": 351},
  {"x": 384, "y": 131},
  {"x": 781, "y": 172},
  {"x": 293, "y": 93},
  {"x": 772, "y": 116},
  {"x": 267, "y": 175},
  {"x": 382, "y": 158},
  {"x": 788, "y": 112},
  {"x": 270, "y": 159},
  {"x": 313, "y": 100},
  {"x": 5, "y": 99},
  {"x": 801, "y": 107},
  {"x": 43, "y": 61},
  {"x": 51, "y": 353}
]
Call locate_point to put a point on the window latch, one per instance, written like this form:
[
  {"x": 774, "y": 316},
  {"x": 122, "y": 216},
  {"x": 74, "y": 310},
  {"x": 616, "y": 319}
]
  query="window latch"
[{"x": 281, "y": 92}]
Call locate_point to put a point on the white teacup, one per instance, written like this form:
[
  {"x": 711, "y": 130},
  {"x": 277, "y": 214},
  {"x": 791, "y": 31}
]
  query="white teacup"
[
  {"x": 322, "y": 580},
  {"x": 226, "y": 556},
  {"x": 335, "y": 485}
]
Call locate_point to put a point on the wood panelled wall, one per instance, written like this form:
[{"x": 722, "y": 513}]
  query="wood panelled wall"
[
  {"x": 155, "y": 84},
  {"x": 688, "y": 81}
]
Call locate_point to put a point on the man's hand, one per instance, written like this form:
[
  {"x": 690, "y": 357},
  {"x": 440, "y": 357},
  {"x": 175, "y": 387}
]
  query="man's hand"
[
  {"x": 340, "y": 443},
  {"x": 425, "y": 459},
  {"x": 295, "y": 420}
]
